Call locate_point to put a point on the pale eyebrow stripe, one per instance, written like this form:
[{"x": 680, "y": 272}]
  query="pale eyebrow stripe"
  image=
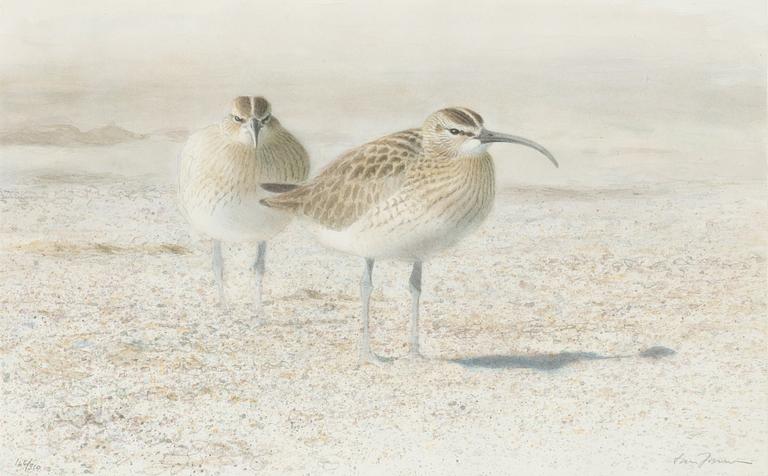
[
  {"x": 478, "y": 119},
  {"x": 460, "y": 117},
  {"x": 253, "y": 106}
]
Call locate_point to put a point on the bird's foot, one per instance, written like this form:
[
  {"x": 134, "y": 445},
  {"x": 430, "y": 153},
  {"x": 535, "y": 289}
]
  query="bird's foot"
[
  {"x": 368, "y": 357},
  {"x": 415, "y": 356},
  {"x": 257, "y": 317},
  {"x": 223, "y": 304}
]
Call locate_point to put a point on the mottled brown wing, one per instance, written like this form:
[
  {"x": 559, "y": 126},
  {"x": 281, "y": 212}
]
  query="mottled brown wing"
[{"x": 355, "y": 182}]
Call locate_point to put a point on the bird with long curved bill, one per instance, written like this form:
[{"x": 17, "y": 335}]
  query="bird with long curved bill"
[
  {"x": 220, "y": 169},
  {"x": 404, "y": 196}
]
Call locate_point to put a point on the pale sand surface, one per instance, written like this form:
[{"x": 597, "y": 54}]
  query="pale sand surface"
[{"x": 115, "y": 360}]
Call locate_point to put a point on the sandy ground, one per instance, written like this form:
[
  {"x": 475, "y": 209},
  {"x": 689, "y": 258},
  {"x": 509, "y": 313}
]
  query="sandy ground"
[{"x": 596, "y": 330}]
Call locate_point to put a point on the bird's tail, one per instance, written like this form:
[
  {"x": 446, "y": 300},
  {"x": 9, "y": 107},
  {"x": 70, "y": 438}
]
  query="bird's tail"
[
  {"x": 279, "y": 187},
  {"x": 284, "y": 200}
]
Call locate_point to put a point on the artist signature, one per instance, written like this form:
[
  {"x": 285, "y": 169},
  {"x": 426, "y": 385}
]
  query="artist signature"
[
  {"x": 27, "y": 465},
  {"x": 9, "y": 194},
  {"x": 701, "y": 459}
]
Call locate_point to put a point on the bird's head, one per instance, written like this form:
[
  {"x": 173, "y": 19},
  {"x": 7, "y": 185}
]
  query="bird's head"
[
  {"x": 249, "y": 119},
  {"x": 459, "y": 132}
]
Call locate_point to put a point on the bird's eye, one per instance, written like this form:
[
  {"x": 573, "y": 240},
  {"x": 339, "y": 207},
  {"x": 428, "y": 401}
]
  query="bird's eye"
[
  {"x": 237, "y": 118},
  {"x": 454, "y": 131}
]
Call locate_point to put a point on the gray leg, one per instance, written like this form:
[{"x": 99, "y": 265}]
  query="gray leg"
[
  {"x": 218, "y": 271},
  {"x": 258, "y": 268},
  {"x": 366, "y": 287},
  {"x": 415, "y": 285}
]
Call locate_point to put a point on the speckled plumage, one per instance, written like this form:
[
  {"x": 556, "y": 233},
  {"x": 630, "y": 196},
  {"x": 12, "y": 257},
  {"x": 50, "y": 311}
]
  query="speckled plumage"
[
  {"x": 220, "y": 170},
  {"x": 404, "y": 196},
  {"x": 219, "y": 179},
  {"x": 390, "y": 199}
]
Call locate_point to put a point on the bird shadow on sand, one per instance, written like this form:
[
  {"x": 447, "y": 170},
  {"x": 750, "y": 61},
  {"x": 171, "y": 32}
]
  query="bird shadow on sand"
[{"x": 547, "y": 362}]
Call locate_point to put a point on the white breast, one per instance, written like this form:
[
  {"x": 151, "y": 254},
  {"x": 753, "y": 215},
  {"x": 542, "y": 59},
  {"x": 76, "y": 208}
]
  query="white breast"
[
  {"x": 399, "y": 239},
  {"x": 219, "y": 190}
]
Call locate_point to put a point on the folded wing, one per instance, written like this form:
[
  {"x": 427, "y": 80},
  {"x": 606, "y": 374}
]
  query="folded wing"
[{"x": 354, "y": 183}]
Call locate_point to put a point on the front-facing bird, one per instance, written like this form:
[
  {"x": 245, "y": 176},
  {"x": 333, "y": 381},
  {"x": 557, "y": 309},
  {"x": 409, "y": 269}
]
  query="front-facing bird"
[
  {"x": 404, "y": 196},
  {"x": 220, "y": 170}
]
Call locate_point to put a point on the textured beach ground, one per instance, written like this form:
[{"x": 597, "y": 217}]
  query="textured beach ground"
[{"x": 595, "y": 330}]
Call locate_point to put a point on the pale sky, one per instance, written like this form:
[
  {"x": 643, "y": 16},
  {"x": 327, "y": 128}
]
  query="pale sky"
[
  {"x": 100, "y": 39},
  {"x": 686, "y": 76}
]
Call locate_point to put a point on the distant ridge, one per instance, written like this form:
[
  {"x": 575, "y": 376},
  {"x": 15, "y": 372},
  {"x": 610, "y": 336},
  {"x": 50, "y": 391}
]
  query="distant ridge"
[
  {"x": 173, "y": 135},
  {"x": 66, "y": 135}
]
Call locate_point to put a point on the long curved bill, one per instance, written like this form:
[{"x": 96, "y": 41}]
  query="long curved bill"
[{"x": 486, "y": 137}]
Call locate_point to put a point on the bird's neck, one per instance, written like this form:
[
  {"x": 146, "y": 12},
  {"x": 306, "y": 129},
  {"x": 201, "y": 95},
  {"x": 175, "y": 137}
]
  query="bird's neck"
[
  {"x": 470, "y": 150},
  {"x": 244, "y": 143},
  {"x": 481, "y": 163},
  {"x": 458, "y": 157},
  {"x": 465, "y": 166}
]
